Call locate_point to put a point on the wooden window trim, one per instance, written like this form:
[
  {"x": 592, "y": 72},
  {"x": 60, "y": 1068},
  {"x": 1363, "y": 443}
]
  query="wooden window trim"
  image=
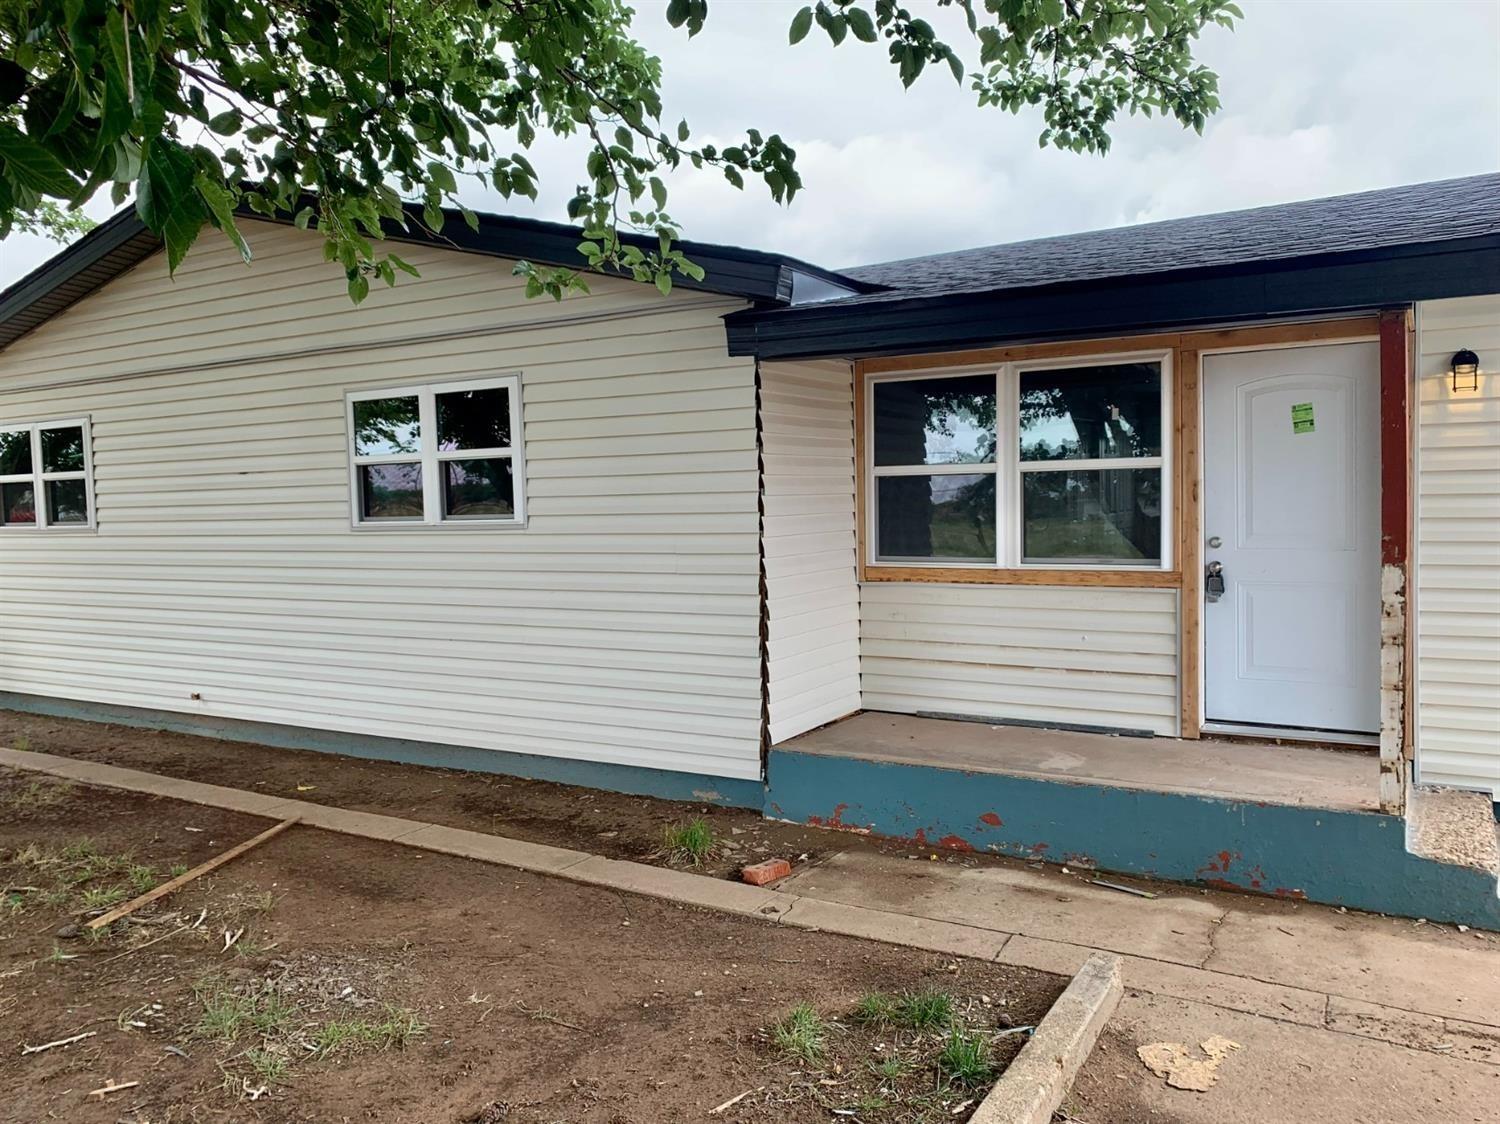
[{"x": 1007, "y": 476}]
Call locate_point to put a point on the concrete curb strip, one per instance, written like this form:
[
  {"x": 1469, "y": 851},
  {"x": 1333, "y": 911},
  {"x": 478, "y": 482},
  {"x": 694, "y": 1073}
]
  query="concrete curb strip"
[{"x": 1031, "y": 1089}]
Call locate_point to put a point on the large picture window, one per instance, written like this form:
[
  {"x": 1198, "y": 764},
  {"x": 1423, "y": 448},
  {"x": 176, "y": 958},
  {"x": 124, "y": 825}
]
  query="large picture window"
[
  {"x": 46, "y": 476},
  {"x": 1050, "y": 465},
  {"x": 446, "y": 454}
]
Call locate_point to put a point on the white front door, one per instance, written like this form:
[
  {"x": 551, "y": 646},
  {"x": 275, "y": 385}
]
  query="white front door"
[{"x": 1291, "y": 466}]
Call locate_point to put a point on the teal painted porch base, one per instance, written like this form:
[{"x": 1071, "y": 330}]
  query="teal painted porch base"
[
  {"x": 1356, "y": 859},
  {"x": 663, "y": 783}
]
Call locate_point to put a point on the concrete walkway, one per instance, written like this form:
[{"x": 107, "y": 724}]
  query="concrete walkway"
[{"x": 1341, "y": 1016}]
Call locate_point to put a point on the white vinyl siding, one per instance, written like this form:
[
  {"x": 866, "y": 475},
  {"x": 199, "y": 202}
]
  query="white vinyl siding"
[
  {"x": 1458, "y": 549},
  {"x": 621, "y": 625},
  {"x": 1093, "y": 657},
  {"x": 812, "y": 596}
]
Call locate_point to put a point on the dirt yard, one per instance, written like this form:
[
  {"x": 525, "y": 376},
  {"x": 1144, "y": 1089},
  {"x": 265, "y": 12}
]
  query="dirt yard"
[
  {"x": 605, "y": 823},
  {"x": 368, "y": 982}
]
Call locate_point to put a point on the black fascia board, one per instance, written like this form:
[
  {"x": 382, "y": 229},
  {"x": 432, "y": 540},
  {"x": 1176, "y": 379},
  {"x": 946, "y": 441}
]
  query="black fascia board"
[
  {"x": 728, "y": 270},
  {"x": 1368, "y": 279}
]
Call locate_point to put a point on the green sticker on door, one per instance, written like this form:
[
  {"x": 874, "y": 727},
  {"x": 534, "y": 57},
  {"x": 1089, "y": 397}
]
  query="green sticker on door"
[{"x": 1302, "y": 417}]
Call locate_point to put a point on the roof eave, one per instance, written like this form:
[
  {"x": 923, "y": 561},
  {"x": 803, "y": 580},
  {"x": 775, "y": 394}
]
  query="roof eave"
[{"x": 1393, "y": 275}]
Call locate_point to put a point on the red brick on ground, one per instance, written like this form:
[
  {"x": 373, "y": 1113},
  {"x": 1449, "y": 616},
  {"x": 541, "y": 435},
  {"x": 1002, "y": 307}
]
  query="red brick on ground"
[{"x": 769, "y": 871}]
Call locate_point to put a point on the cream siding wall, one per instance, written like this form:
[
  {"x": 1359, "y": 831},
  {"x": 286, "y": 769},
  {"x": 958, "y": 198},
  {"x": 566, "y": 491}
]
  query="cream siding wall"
[
  {"x": 1097, "y": 657},
  {"x": 622, "y": 625},
  {"x": 812, "y": 597},
  {"x": 1458, "y": 549}
]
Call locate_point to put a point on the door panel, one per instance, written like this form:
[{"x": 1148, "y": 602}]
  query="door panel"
[{"x": 1291, "y": 471}]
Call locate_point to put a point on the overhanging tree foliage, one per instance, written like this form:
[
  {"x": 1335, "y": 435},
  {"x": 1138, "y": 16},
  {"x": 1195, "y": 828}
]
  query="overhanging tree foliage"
[{"x": 201, "y": 107}]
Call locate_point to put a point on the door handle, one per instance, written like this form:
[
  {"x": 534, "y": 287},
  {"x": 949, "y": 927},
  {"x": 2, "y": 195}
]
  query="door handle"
[{"x": 1213, "y": 582}]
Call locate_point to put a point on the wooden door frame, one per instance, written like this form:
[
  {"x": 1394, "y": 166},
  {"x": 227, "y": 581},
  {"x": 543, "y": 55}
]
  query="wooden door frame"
[{"x": 1391, "y": 330}]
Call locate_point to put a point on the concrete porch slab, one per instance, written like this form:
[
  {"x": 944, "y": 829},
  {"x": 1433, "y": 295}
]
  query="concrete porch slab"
[
  {"x": 1277, "y": 774},
  {"x": 1301, "y": 852}
]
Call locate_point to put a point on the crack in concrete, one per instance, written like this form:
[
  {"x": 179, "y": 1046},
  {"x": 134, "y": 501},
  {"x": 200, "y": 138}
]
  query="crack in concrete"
[{"x": 1213, "y": 939}]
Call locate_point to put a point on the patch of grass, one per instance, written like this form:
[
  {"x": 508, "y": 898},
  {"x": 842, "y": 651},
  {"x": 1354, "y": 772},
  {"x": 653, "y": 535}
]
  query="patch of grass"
[
  {"x": 12, "y": 905},
  {"x": 271, "y": 1067},
  {"x": 892, "y": 1068},
  {"x": 395, "y": 1030},
  {"x": 270, "y": 1014},
  {"x": 22, "y": 743},
  {"x": 965, "y": 1057},
  {"x": 399, "y": 1028},
  {"x": 55, "y": 898},
  {"x": 100, "y": 898},
  {"x": 802, "y": 1034},
  {"x": 876, "y": 1008},
  {"x": 342, "y": 1035},
  {"x": 226, "y": 1013},
  {"x": 261, "y": 902},
  {"x": 924, "y": 1010},
  {"x": 78, "y": 851},
  {"x": 36, "y": 795},
  {"x": 31, "y": 855},
  {"x": 176, "y": 870},
  {"x": 868, "y": 1103},
  {"x": 691, "y": 844},
  {"x": 141, "y": 877}
]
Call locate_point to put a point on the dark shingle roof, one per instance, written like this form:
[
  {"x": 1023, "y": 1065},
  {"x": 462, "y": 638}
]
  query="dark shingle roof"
[{"x": 1420, "y": 213}]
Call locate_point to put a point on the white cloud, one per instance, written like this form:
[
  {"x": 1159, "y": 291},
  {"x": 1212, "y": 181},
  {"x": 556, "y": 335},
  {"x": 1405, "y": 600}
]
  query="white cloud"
[{"x": 1320, "y": 97}]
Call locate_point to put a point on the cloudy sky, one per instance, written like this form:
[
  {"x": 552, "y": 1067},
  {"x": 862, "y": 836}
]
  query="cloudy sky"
[{"x": 1320, "y": 97}]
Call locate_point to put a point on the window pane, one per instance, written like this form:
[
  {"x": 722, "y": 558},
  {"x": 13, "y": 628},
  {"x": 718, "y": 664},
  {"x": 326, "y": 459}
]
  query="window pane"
[
  {"x": 1082, "y": 412},
  {"x": 478, "y": 489},
  {"x": 474, "y": 419},
  {"x": 383, "y": 426},
  {"x": 67, "y": 501},
  {"x": 15, "y": 452},
  {"x": 936, "y": 517},
  {"x": 62, "y": 450},
  {"x": 390, "y": 491},
  {"x": 935, "y": 421},
  {"x": 17, "y": 503},
  {"x": 1108, "y": 515}
]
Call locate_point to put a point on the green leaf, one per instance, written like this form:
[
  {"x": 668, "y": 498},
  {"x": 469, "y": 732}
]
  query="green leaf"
[
  {"x": 221, "y": 207},
  {"x": 32, "y": 166},
  {"x": 226, "y": 123},
  {"x": 801, "y": 25},
  {"x": 658, "y": 193},
  {"x": 861, "y": 24},
  {"x": 664, "y": 283},
  {"x": 168, "y": 201}
]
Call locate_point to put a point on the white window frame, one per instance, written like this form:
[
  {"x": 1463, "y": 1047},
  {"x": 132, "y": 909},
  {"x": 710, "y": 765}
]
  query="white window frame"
[
  {"x": 1009, "y": 468},
  {"x": 431, "y": 458},
  {"x": 39, "y": 479}
]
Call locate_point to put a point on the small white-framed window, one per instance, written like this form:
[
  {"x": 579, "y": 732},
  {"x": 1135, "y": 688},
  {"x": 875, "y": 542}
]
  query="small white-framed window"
[
  {"x": 1051, "y": 464},
  {"x": 437, "y": 454},
  {"x": 46, "y": 476}
]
